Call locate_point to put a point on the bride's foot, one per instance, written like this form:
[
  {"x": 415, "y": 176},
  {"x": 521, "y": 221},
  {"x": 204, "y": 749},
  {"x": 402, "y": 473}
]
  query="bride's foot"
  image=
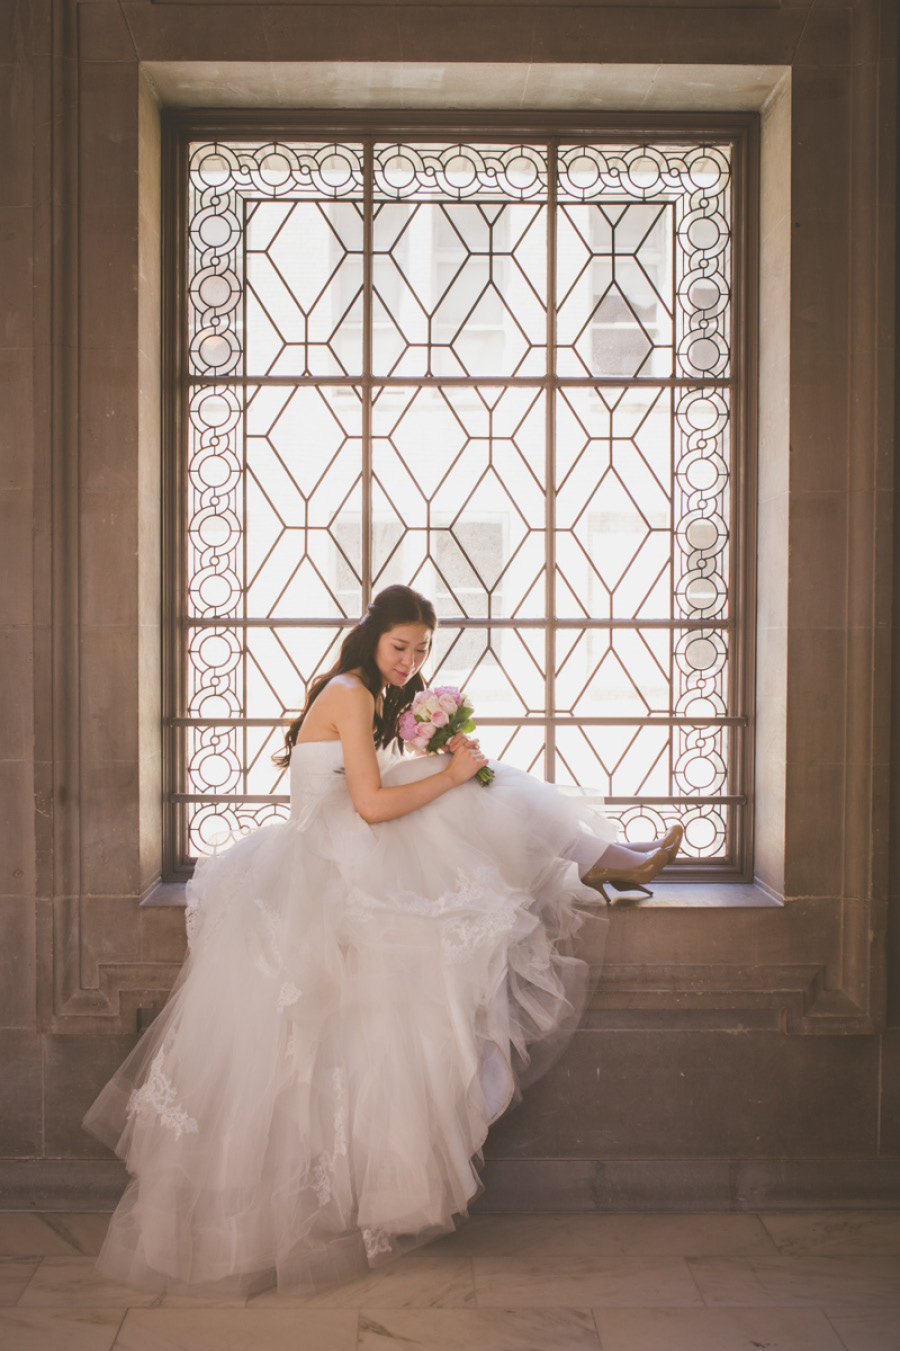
[{"x": 613, "y": 869}]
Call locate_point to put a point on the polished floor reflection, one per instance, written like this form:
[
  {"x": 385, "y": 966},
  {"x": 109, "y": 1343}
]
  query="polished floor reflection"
[{"x": 810, "y": 1281}]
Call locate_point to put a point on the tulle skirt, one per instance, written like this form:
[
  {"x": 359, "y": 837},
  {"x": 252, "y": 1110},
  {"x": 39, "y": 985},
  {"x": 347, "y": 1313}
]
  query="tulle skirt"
[{"x": 358, "y": 1004}]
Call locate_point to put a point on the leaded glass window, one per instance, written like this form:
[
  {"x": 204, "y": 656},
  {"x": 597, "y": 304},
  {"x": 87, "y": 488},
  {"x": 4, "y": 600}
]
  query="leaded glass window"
[{"x": 504, "y": 373}]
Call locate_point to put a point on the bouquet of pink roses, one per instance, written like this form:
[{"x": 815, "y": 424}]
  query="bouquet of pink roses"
[{"x": 436, "y": 716}]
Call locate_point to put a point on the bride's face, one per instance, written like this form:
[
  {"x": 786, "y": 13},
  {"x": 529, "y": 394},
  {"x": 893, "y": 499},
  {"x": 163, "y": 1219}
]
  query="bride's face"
[{"x": 401, "y": 651}]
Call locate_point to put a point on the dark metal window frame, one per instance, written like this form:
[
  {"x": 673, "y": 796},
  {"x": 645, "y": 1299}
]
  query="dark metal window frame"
[{"x": 741, "y": 130}]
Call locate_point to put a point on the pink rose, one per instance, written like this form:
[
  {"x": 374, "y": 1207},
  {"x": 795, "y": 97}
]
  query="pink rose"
[
  {"x": 451, "y": 692},
  {"x": 420, "y": 744},
  {"x": 439, "y": 718},
  {"x": 408, "y": 727},
  {"x": 426, "y": 732},
  {"x": 449, "y": 706}
]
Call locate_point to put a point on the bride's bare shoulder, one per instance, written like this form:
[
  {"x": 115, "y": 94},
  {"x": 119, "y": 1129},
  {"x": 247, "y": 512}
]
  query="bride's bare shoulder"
[
  {"x": 348, "y": 685},
  {"x": 345, "y": 698}
]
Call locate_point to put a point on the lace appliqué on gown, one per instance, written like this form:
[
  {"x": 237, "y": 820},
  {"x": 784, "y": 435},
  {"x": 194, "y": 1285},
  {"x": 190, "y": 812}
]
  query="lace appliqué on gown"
[
  {"x": 158, "y": 1096},
  {"x": 376, "y": 1241},
  {"x": 323, "y": 1169},
  {"x": 270, "y": 960},
  {"x": 288, "y": 994},
  {"x": 461, "y": 938}
]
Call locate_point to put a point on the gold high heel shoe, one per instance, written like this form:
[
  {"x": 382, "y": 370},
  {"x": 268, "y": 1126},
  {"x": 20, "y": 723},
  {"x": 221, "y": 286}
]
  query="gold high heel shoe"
[
  {"x": 634, "y": 879},
  {"x": 671, "y": 841}
]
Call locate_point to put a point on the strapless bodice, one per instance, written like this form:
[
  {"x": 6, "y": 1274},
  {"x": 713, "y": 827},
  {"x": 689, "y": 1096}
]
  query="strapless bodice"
[
  {"x": 317, "y": 773},
  {"x": 311, "y": 754}
]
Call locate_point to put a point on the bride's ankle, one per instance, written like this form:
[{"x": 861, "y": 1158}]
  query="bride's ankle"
[{"x": 620, "y": 856}]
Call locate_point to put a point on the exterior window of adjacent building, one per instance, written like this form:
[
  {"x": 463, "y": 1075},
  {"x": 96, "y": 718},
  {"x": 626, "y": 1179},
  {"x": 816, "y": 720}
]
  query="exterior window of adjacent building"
[{"x": 507, "y": 372}]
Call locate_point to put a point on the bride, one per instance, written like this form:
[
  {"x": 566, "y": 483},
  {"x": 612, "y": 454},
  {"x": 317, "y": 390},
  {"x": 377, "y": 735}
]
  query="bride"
[{"x": 368, "y": 986}]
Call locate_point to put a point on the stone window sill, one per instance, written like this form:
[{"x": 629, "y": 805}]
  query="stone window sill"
[{"x": 674, "y": 895}]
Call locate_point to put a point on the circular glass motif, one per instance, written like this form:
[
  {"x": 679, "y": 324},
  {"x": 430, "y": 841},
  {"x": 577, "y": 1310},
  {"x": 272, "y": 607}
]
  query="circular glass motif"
[
  {"x": 215, "y": 229},
  {"x": 703, "y": 354},
  {"x": 336, "y": 170},
  {"x": 399, "y": 171},
  {"x": 274, "y": 170},
  {"x": 459, "y": 171},
  {"x": 701, "y": 833},
  {"x": 703, "y": 232},
  {"x": 217, "y": 590},
  {"x": 583, "y": 172},
  {"x": 521, "y": 172},
  {"x": 644, "y": 172},
  {"x": 213, "y": 169}
]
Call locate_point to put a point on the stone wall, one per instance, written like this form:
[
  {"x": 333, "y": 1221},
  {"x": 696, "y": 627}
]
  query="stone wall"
[{"x": 735, "y": 1055}]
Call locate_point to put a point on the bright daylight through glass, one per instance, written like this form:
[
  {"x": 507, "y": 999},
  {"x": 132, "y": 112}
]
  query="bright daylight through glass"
[{"x": 500, "y": 373}]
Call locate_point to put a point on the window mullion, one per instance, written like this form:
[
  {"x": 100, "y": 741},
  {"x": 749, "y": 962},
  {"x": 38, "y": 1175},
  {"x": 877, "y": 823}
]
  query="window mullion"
[
  {"x": 550, "y": 472},
  {"x": 367, "y": 388}
]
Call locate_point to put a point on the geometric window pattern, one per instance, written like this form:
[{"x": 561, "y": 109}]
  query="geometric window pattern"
[{"x": 501, "y": 373}]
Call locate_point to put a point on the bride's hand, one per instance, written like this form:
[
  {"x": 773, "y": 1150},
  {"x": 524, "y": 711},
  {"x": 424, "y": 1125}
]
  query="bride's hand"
[
  {"x": 467, "y": 759},
  {"x": 460, "y": 740}
]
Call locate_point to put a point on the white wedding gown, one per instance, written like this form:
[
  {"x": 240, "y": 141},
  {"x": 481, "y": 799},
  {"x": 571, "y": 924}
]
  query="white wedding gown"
[{"x": 358, "y": 1004}]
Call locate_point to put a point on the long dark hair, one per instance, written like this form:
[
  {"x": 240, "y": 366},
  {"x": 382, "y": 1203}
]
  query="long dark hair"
[{"x": 392, "y": 606}]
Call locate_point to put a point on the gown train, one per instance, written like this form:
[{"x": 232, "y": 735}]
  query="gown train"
[{"x": 358, "y": 1004}]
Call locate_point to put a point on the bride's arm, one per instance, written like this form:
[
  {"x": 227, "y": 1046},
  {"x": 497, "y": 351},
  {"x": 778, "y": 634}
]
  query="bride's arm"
[{"x": 353, "y": 710}]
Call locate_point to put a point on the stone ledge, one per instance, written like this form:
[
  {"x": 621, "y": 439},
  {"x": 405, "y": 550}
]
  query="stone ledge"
[
  {"x": 535, "y": 1186},
  {"x": 166, "y": 894},
  {"x": 561, "y": 1185},
  {"x": 672, "y": 895}
]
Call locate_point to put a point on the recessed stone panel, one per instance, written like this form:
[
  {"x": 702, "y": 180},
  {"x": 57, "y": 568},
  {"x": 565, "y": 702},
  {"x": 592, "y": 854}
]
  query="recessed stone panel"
[
  {"x": 109, "y": 695},
  {"x": 802, "y": 933},
  {"x": 827, "y": 36},
  {"x": 103, "y": 33},
  {"x": 699, "y": 1095},
  {"x": 16, "y": 675},
  {"x": 109, "y": 934},
  {"x": 184, "y": 33},
  {"x": 75, "y": 1070},
  {"x": 20, "y": 1094},
  {"x": 17, "y": 962},
  {"x": 16, "y": 249},
  {"x": 16, "y": 174},
  {"x": 163, "y": 936},
  {"x": 16, "y": 381},
  {"x": 107, "y": 133},
  {"x": 16, "y": 828},
  {"x": 813, "y": 844},
  {"x": 819, "y": 313},
  {"x": 890, "y": 1092},
  {"x": 817, "y": 696},
  {"x": 819, "y": 437},
  {"x": 108, "y": 376},
  {"x": 109, "y": 566},
  {"x": 109, "y": 817},
  {"x": 109, "y": 259},
  {"x": 822, "y": 133},
  {"x": 818, "y": 561},
  {"x": 15, "y": 554}
]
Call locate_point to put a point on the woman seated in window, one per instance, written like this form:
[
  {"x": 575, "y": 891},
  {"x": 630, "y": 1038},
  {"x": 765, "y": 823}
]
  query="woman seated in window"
[{"x": 369, "y": 985}]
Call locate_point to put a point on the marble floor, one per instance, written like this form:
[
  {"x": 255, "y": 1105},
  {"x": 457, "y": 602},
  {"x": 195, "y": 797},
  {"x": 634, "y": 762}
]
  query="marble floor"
[{"x": 785, "y": 1281}]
